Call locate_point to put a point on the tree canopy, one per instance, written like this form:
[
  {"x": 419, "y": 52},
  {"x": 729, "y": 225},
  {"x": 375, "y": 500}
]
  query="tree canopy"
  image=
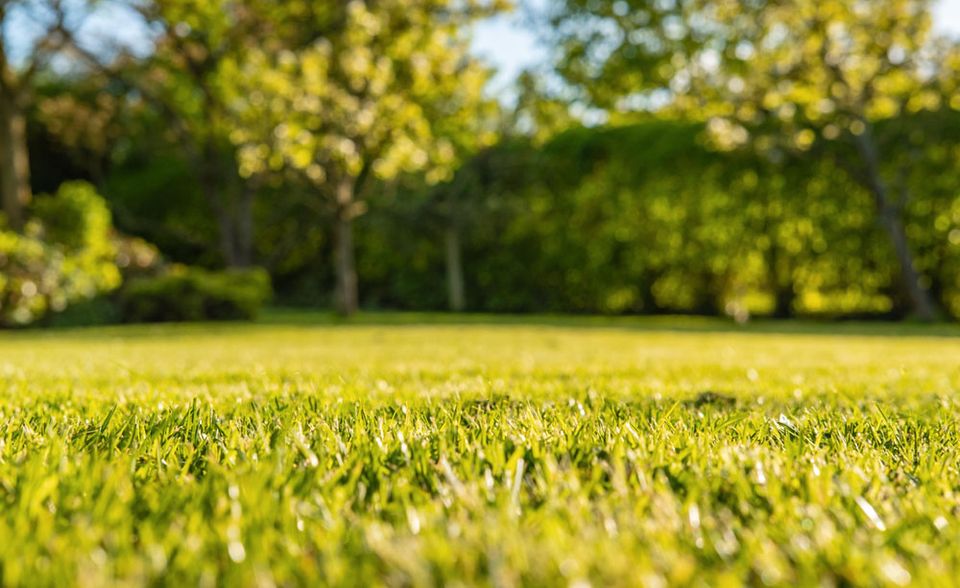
[{"x": 780, "y": 157}]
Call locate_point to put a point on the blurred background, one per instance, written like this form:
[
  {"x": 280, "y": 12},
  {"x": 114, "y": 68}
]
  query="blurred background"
[{"x": 199, "y": 159}]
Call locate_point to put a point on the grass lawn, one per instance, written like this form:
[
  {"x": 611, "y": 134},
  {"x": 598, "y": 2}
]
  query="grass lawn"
[{"x": 424, "y": 450}]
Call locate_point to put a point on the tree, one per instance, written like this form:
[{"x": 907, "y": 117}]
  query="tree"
[
  {"x": 827, "y": 71},
  {"x": 186, "y": 79},
  {"x": 783, "y": 75},
  {"x": 372, "y": 96},
  {"x": 193, "y": 44},
  {"x": 49, "y": 19},
  {"x": 538, "y": 112}
]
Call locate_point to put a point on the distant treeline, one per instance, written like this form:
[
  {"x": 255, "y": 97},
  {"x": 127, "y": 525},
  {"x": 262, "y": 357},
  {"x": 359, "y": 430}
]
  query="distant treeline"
[
  {"x": 648, "y": 219},
  {"x": 644, "y": 218}
]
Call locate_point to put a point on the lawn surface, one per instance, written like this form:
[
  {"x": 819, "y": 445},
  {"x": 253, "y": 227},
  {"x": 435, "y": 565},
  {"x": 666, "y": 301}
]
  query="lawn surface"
[{"x": 419, "y": 450}]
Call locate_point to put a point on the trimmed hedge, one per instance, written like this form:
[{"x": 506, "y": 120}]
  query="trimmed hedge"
[{"x": 193, "y": 294}]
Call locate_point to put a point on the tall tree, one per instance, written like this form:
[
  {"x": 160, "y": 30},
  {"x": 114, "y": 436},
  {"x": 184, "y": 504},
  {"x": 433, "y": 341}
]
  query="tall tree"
[
  {"x": 44, "y": 27},
  {"x": 197, "y": 45},
  {"x": 781, "y": 75},
  {"x": 192, "y": 45},
  {"x": 372, "y": 96}
]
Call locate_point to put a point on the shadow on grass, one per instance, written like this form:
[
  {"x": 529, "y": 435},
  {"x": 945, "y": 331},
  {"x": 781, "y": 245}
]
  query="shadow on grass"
[
  {"x": 664, "y": 323},
  {"x": 310, "y": 319}
]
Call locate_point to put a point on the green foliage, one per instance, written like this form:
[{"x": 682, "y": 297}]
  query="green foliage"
[
  {"x": 194, "y": 294},
  {"x": 610, "y": 452},
  {"x": 634, "y": 219},
  {"x": 154, "y": 195},
  {"x": 647, "y": 218},
  {"x": 24, "y": 260},
  {"x": 77, "y": 219},
  {"x": 64, "y": 255},
  {"x": 389, "y": 87},
  {"x": 255, "y": 126},
  {"x": 781, "y": 77},
  {"x": 802, "y": 68},
  {"x": 99, "y": 311}
]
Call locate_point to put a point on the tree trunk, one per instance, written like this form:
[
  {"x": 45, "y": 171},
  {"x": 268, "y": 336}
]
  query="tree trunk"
[
  {"x": 234, "y": 221},
  {"x": 648, "y": 300},
  {"x": 243, "y": 234},
  {"x": 705, "y": 299},
  {"x": 922, "y": 305},
  {"x": 345, "y": 293},
  {"x": 14, "y": 160},
  {"x": 456, "y": 299},
  {"x": 212, "y": 185},
  {"x": 784, "y": 294},
  {"x": 225, "y": 229},
  {"x": 783, "y": 300},
  {"x": 455, "y": 286},
  {"x": 224, "y": 226}
]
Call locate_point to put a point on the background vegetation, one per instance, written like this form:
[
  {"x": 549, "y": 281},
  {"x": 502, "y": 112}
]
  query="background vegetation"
[{"x": 793, "y": 158}]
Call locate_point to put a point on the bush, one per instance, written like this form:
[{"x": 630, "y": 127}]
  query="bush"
[
  {"x": 64, "y": 255},
  {"x": 136, "y": 257},
  {"x": 99, "y": 311},
  {"x": 77, "y": 219},
  {"x": 193, "y": 294}
]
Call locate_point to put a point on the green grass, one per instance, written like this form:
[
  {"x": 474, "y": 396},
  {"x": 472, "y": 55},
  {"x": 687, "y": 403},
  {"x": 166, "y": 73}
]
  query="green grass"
[{"x": 419, "y": 450}]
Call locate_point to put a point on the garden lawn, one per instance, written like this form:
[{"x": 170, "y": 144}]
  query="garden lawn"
[{"x": 428, "y": 450}]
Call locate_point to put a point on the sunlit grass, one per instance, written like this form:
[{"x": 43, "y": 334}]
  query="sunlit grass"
[{"x": 422, "y": 450}]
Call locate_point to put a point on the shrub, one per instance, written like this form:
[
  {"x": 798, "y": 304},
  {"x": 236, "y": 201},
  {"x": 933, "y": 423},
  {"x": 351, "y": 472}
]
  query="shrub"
[
  {"x": 77, "y": 218},
  {"x": 193, "y": 294},
  {"x": 64, "y": 255},
  {"x": 99, "y": 311},
  {"x": 136, "y": 257}
]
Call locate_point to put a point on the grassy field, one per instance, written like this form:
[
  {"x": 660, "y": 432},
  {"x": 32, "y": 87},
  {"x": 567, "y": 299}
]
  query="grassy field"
[{"x": 411, "y": 450}]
